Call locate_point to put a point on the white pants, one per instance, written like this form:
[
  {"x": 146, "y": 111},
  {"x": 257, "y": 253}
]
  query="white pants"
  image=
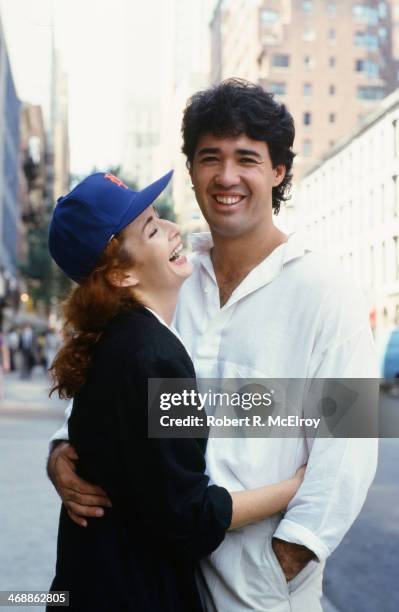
[{"x": 244, "y": 575}]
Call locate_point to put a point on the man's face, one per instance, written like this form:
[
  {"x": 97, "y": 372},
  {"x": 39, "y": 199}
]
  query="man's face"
[{"x": 233, "y": 180}]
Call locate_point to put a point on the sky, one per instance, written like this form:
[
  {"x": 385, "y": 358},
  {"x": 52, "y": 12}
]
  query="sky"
[{"x": 110, "y": 51}]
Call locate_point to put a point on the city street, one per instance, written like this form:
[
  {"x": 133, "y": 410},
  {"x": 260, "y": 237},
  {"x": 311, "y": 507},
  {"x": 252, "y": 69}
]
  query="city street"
[
  {"x": 29, "y": 507},
  {"x": 361, "y": 575}
]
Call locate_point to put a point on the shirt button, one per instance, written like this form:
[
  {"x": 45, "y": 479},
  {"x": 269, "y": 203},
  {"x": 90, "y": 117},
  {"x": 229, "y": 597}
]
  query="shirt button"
[{"x": 206, "y": 290}]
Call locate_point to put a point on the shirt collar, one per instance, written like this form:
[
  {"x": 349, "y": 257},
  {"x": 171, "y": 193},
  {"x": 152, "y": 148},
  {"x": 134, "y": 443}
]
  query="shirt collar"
[
  {"x": 263, "y": 273},
  {"x": 202, "y": 243}
]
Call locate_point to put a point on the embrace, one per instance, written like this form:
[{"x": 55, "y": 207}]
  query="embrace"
[{"x": 187, "y": 525}]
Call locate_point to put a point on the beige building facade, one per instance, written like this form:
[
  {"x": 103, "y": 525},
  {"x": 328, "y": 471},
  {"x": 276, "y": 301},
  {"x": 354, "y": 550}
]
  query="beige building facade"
[
  {"x": 349, "y": 206},
  {"x": 330, "y": 61}
]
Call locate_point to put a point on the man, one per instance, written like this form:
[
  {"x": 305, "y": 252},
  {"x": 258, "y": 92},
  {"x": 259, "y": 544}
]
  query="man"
[{"x": 260, "y": 304}]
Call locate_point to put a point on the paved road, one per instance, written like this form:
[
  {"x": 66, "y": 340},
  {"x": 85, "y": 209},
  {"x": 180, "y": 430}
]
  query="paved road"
[
  {"x": 29, "y": 506},
  {"x": 361, "y": 575}
]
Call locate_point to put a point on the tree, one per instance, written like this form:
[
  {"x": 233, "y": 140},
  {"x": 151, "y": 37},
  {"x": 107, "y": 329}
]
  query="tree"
[{"x": 44, "y": 279}]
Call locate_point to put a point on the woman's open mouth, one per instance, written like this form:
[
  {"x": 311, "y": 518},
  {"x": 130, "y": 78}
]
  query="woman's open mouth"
[{"x": 175, "y": 257}]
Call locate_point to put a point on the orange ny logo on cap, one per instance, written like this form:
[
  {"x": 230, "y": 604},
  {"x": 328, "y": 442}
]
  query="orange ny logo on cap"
[{"x": 114, "y": 179}]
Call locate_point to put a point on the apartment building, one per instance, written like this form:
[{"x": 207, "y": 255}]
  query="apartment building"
[
  {"x": 330, "y": 61},
  {"x": 348, "y": 205}
]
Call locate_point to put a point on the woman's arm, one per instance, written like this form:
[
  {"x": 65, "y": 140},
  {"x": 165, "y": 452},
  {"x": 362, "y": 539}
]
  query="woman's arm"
[{"x": 257, "y": 504}]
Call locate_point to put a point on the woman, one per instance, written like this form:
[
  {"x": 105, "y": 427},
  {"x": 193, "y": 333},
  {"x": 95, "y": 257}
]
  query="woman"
[{"x": 141, "y": 556}]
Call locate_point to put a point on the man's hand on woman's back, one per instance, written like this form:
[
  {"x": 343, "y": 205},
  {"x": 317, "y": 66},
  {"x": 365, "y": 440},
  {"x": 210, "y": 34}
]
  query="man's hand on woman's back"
[{"x": 81, "y": 499}]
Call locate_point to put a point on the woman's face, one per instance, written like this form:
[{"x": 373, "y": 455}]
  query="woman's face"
[{"x": 155, "y": 244}]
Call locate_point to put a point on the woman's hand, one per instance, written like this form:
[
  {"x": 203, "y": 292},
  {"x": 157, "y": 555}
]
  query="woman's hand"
[
  {"x": 257, "y": 504},
  {"x": 297, "y": 480}
]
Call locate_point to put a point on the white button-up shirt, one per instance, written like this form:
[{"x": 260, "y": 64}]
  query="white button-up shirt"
[{"x": 293, "y": 316}]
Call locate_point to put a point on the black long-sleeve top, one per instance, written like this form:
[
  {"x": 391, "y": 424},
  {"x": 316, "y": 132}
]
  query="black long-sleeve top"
[{"x": 141, "y": 556}]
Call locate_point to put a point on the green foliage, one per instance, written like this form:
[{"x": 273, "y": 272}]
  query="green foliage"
[{"x": 44, "y": 279}]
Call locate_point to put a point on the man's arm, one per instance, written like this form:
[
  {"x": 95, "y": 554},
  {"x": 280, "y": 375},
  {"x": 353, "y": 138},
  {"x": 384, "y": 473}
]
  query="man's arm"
[
  {"x": 81, "y": 499},
  {"x": 340, "y": 470}
]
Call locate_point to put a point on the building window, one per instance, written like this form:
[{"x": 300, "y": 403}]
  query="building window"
[
  {"x": 332, "y": 36},
  {"x": 307, "y": 6},
  {"x": 368, "y": 92},
  {"x": 396, "y": 259},
  {"x": 371, "y": 209},
  {"x": 372, "y": 266},
  {"x": 309, "y": 34},
  {"x": 365, "y": 14},
  {"x": 331, "y": 9},
  {"x": 331, "y": 90},
  {"x": 308, "y": 62},
  {"x": 370, "y": 68},
  {"x": 366, "y": 40},
  {"x": 331, "y": 117},
  {"x": 307, "y": 118},
  {"x": 382, "y": 203},
  {"x": 269, "y": 16},
  {"x": 383, "y": 262},
  {"x": 307, "y": 89},
  {"x": 307, "y": 148},
  {"x": 280, "y": 60},
  {"x": 332, "y": 61},
  {"x": 395, "y": 200},
  {"x": 382, "y": 10},
  {"x": 395, "y": 125},
  {"x": 382, "y": 33},
  {"x": 279, "y": 89}
]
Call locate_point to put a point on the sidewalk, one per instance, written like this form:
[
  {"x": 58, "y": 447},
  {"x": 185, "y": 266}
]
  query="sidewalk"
[
  {"x": 30, "y": 396},
  {"x": 30, "y": 506}
]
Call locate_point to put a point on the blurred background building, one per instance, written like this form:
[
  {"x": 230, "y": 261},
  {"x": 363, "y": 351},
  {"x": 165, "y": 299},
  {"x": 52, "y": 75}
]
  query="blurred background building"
[
  {"x": 334, "y": 63},
  {"x": 141, "y": 141},
  {"x": 349, "y": 206},
  {"x": 34, "y": 165},
  {"x": 9, "y": 177},
  {"x": 59, "y": 132}
]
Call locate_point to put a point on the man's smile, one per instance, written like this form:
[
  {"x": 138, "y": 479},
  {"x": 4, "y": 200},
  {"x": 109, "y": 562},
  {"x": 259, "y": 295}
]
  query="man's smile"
[{"x": 228, "y": 199}]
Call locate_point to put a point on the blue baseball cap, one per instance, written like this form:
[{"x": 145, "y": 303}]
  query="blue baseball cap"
[{"x": 86, "y": 219}]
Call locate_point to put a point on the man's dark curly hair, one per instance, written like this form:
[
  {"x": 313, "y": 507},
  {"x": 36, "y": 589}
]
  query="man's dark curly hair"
[{"x": 235, "y": 107}]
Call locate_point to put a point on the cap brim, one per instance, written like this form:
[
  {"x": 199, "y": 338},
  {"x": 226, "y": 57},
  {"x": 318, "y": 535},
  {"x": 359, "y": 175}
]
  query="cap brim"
[{"x": 143, "y": 199}]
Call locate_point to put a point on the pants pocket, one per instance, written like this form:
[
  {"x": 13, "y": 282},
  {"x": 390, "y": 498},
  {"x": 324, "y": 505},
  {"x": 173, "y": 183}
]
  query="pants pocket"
[{"x": 276, "y": 567}]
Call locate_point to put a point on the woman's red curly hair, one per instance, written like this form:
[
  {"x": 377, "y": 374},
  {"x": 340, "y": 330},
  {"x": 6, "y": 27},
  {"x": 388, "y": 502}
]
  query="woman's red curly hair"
[{"x": 87, "y": 311}]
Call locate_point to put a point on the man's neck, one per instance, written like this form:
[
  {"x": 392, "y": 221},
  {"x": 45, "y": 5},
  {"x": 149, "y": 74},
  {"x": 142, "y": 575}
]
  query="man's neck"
[
  {"x": 243, "y": 253},
  {"x": 234, "y": 258}
]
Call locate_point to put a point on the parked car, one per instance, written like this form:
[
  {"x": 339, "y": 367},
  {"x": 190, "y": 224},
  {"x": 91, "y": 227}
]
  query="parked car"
[
  {"x": 391, "y": 357},
  {"x": 388, "y": 350}
]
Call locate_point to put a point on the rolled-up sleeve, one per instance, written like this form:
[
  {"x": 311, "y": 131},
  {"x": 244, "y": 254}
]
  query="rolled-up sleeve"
[
  {"x": 339, "y": 470},
  {"x": 338, "y": 476},
  {"x": 62, "y": 433}
]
